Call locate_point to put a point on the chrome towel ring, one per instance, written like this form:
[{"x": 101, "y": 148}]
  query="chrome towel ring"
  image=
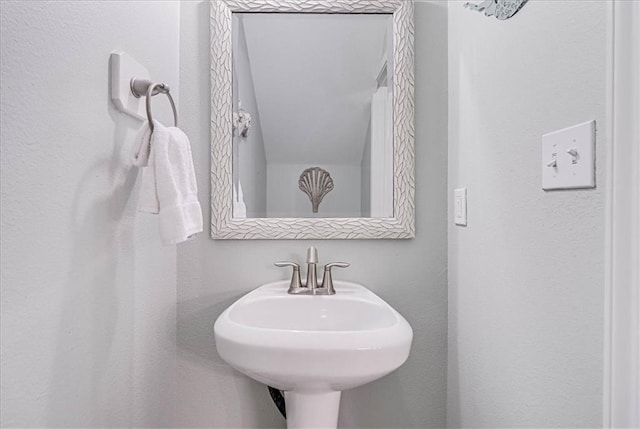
[{"x": 140, "y": 87}]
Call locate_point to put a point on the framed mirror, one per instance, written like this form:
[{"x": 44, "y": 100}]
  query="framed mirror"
[{"x": 312, "y": 119}]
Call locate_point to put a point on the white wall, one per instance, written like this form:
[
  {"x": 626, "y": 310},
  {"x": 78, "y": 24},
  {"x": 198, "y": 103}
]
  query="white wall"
[
  {"x": 526, "y": 275},
  {"x": 285, "y": 199},
  {"x": 622, "y": 254},
  {"x": 314, "y": 75},
  {"x": 88, "y": 293},
  {"x": 410, "y": 274}
]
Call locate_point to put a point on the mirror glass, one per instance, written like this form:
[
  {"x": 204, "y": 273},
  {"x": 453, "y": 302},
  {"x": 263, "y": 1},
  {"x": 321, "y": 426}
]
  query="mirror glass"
[{"x": 312, "y": 98}]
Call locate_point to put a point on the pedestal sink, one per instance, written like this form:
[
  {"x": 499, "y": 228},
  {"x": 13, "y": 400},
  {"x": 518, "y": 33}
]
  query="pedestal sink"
[{"x": 313, "y": 347}]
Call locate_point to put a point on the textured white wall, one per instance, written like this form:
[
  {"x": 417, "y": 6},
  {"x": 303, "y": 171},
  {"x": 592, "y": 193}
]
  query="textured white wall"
[
  {"x": 285, "y": 199},
  {"x": 410, "y": 274},
  {"x": 88, "y": 293},
  {"x": 526, "y": 275}
]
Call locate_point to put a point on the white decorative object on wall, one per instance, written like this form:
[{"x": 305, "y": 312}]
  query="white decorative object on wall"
[
  {"x": 501, "y": 9},
  {"x": 316, "y": 183},
  {"x": 223, "y": 224},
  {"x": 241, "y": 122}
]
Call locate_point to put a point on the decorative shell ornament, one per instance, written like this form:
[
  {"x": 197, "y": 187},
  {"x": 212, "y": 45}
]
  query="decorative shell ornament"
[
  {"x": 316, "y": 183},
  {"x": 501, "y": 9}
]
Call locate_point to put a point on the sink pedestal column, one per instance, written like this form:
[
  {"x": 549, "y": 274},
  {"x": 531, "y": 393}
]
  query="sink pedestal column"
[{"x": 312, "y": 410}]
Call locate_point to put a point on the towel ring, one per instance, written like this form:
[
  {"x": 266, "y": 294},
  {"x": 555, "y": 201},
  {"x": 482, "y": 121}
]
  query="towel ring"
[{"x": 140, "y": 87}]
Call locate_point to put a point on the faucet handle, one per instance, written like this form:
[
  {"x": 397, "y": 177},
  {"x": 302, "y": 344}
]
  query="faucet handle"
[
  {"x": 327, "y": 279},
  {"x": 337, "y": 264},
  {"x": 296, "y": 285}
]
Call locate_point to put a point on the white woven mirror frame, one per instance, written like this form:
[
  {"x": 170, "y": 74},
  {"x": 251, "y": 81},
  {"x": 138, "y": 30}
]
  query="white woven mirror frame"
[{"x": 223, "y": 224}]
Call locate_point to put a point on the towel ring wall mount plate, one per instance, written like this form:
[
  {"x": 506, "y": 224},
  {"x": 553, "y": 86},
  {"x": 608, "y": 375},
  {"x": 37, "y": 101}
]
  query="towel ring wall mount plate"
[{"x": 127, "y": 91}]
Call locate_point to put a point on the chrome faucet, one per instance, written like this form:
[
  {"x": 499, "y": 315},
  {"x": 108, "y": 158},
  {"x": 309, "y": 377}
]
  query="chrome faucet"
[{"x": 311, "y": 286}]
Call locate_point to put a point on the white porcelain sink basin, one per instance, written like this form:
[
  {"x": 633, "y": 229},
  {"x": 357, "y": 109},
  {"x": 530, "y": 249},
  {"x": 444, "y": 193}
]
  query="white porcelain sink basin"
[{"x": 313, "y": 347}]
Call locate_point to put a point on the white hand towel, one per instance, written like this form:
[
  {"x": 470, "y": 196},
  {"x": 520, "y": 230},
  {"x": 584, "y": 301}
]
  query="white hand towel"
[
  {"x": 148, "y": 199},
  {"x": 169, "y": 186},
  {"x": 239, "y": 207}
]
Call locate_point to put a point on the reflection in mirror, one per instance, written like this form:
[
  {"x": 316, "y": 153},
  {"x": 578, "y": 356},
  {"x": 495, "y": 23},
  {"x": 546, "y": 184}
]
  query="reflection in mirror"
[{"x": 312, "y": 91}]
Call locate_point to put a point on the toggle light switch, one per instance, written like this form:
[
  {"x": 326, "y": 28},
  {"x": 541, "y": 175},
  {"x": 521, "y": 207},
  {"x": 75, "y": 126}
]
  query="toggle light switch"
[{"x": 571, "y": 153}]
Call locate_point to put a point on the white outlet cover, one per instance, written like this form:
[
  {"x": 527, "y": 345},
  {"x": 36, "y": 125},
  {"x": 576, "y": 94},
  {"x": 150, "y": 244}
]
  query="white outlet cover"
[{"x": 568, "y": 157}]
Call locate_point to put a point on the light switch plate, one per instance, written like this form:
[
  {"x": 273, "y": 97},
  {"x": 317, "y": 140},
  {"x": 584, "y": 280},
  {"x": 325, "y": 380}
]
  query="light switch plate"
[
  {"x": 460, "y": 206},
  {"x": 568, "y": 157}
]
